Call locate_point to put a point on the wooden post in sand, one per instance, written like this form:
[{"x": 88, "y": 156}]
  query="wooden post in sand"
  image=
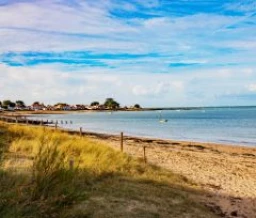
[
  {"x": 122, "y": 141},
  {"x": 144, "y": 154},
  {"x": 81, "y": 131},
  {"x": 17, "y": 120},
  {"x": 56, "y": 125}
]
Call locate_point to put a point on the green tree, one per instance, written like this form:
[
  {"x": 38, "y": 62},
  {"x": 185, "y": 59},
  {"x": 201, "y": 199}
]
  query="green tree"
[
  {"x": 20, "y": 103},
  {"x": 95, "y": 103},
  {"x": 137, "y": 106},
  {"x": 110, "y": 103},
  {"x": 8, "y": 103},
  {"x": 61, "y": 104}
]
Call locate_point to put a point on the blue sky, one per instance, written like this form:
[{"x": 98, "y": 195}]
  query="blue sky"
[{"x": 152, "y": 52}]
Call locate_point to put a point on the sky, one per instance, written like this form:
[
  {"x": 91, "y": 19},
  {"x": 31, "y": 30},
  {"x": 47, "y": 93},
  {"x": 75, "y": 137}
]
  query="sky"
[{"x": 158, "y": 53}]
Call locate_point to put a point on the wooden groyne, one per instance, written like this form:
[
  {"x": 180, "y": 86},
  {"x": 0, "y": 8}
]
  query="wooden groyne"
[
  {"x": 24, "y": 120},
  {"x": 28, "y": 121}
]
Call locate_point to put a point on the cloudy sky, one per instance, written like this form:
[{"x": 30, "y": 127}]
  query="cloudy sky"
[{"x": 152, "y": 52}]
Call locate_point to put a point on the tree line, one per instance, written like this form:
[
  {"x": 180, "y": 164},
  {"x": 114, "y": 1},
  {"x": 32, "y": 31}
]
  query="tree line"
[
  {"x": 109, "y": 103},
  {"x": 9, "y": 103}
]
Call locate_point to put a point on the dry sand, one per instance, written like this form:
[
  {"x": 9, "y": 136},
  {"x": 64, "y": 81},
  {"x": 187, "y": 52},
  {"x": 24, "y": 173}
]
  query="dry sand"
[{"x": 226, "y": 174}]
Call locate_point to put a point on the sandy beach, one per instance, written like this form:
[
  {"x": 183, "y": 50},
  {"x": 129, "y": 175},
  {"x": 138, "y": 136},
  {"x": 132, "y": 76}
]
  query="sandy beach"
[{"x": 226, "y": 174}]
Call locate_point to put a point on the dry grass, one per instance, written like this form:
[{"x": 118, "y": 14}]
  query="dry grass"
[{"x": 48, "y": 173}]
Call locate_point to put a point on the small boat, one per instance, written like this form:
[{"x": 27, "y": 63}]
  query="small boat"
[{"x": 161, "y": 120}]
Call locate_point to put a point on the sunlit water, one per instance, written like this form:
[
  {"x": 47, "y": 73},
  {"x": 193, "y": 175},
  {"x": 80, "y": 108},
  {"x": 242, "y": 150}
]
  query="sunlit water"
[{"x": 221, "y": 125}]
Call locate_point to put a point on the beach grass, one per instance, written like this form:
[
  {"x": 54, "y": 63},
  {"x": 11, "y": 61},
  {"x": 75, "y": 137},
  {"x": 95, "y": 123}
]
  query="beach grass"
[{"x": 49, "y": 173}]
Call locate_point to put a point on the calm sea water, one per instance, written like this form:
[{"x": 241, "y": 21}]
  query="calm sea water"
[{"x": 221, "y": 125}]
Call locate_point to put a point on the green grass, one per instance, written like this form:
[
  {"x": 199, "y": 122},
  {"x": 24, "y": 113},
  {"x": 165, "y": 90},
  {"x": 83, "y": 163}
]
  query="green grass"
[{"x": 47, "y": 173}]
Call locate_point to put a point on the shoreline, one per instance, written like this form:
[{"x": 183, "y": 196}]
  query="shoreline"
[
  {"x": 163, "y": 140},
  {"x": 25, "y": 117},
  {"x": 158, "y": 140},
  {"x": 124, "y": 109}
]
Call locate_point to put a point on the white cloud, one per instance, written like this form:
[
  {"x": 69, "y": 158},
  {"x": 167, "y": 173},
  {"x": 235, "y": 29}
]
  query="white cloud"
[
  {"x": 90, "y": 27},
  {"x": 252, "y": 87},
  {"x": 49, "y": 16},
  {"x": 158, "y": 88},
  {"x": 140, "y": 90},
  {"x": 50, "y": 84}
]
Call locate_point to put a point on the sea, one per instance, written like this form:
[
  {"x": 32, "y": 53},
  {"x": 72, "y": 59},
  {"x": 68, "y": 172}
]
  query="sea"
[{"x": 225, "y": 125}]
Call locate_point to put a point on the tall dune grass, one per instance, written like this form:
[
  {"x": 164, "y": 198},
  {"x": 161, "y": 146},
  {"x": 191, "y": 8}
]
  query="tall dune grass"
[
  {"x": 66, "y": 169},
  {"x": 50, "y": 185},
  {"x": 85, "y": 153}
]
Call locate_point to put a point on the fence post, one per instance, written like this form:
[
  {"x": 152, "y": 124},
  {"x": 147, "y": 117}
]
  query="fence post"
[
  {"x": 144, "y": 154},
  {"x": 122, "y": 142},
  {"x": 81, "y": 131},
  {"x": 71, "y": 164},
  {"x": 56, "y": 125}
]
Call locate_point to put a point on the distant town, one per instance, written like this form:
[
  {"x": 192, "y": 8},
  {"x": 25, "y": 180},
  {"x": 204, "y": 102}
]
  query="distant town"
[{"x": 19, "y": 105}]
